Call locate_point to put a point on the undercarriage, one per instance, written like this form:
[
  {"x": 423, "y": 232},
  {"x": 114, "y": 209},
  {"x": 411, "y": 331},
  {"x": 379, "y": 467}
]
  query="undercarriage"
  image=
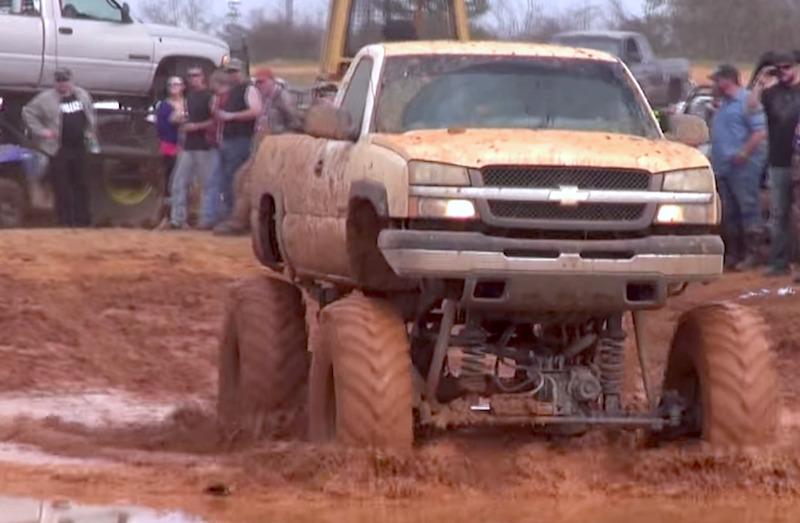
[{"x": 481, "y": 371}]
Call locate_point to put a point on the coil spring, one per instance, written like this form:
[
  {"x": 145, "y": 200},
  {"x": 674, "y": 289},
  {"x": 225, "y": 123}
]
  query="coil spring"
[
  {"x": 612, "y": 365},
  {"x": 473, "y": 374}
]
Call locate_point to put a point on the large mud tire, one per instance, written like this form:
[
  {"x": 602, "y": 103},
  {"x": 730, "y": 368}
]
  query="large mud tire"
[
  {"x": 721, "y": 371},
  {"x": 361, "y": 386},
  {"x": 263, "y": 361}
]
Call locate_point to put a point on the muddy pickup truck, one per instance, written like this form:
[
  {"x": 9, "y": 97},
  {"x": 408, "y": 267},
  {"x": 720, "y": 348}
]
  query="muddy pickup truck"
[
  {"x": 665, "y": 81},
  {"x": 475, "y": 221},
  {"x": 111, "y": 54}
]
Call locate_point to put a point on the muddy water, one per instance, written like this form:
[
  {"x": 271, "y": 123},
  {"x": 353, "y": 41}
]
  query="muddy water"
[{"x": 21, "y": 510}]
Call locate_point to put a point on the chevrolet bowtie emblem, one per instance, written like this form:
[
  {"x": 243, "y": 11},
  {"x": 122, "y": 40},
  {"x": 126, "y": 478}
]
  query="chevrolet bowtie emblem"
[{"x": 569, "y": 195}]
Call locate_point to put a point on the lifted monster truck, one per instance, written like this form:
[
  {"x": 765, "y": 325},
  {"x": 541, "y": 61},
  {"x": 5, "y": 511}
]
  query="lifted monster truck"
[{"x": 475, "y": 220}]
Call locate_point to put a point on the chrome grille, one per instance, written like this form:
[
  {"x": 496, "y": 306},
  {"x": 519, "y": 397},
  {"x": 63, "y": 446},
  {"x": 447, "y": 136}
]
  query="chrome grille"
[{"x": 553, "y": 177}]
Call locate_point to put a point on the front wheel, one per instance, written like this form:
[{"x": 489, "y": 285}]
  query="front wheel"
[
  {"x": 361, "y": 390},
  {"x": 721, "y": 378}
]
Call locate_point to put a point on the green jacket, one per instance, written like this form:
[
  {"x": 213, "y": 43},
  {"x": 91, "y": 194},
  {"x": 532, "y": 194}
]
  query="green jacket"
[{"x": 44, "y": 112}]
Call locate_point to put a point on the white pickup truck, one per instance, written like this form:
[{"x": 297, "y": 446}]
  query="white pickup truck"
[{"x": 111, "y": 54}]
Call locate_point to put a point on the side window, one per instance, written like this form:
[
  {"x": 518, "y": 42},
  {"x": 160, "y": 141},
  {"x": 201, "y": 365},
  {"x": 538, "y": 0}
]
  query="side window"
[
  {"x": 105, "y": 10},
  {"x": 355, "y": 99},
  {"x": 20, "y": 7},
  {"x": 632, "y": 51}
]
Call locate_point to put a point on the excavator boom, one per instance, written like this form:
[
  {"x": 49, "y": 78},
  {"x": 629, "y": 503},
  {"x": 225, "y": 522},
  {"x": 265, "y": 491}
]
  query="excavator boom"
[{"x": 352, "y": 24}]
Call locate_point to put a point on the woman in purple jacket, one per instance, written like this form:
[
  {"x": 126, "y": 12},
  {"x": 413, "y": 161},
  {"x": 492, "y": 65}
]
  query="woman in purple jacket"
[{"x": 170, "y": 113}]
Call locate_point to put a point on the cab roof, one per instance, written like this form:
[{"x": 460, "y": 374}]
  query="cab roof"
[{"x": 491, "y": 48}]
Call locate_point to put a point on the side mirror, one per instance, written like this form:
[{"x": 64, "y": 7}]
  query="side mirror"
[
  {"x": 126, "y": 14},
  {"x": 331, "y": 123},
  {"x": 688, "y": 129}
]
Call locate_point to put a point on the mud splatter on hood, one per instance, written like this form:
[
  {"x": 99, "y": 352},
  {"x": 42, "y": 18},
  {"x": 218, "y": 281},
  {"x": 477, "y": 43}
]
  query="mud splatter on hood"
[{"x": 476, "y": 148}]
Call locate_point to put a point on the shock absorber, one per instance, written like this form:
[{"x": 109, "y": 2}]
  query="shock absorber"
[{"x": 611, "y": 352}]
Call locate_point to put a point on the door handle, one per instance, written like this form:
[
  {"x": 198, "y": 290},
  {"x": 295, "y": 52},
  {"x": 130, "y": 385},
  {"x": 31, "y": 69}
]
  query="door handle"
[
  {"x": 65, "y": 30},
  {"x": 318, "y": 167}
]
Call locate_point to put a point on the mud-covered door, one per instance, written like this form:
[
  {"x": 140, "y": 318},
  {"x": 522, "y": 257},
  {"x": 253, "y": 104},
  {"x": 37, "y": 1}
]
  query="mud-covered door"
[{"x": 329, "y": 187}]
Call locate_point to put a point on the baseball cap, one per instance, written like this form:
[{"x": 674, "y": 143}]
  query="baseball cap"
[
  {"x": 265, "y": 73},
  {"x": 727, "y": 71},
  {"x": 783, "y": 58},
  {"x": 235, "y": 65},
  {"x": 63, "y": 74}
]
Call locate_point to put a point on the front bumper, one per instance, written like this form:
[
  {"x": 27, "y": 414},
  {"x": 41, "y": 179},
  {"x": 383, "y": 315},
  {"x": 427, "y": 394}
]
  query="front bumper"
[{"x": 555, "y": 275}]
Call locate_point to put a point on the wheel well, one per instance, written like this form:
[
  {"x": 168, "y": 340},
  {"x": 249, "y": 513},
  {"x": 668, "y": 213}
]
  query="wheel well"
[
  {"x": 177, "y": 66},
  {"x": 358, "y": 207},
  {"x": 675, "y": 90},
  {"x": 267, "y": 231}
]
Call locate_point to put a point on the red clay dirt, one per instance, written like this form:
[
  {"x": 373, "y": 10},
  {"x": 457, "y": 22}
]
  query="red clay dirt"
[{"x": 139, "y": 313}]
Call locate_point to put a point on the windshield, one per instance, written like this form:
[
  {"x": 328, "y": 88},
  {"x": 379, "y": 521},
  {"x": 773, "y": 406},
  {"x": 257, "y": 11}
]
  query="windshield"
[
  {"x": 447, "y": 91},
  {"x": 607, "y": 45}
]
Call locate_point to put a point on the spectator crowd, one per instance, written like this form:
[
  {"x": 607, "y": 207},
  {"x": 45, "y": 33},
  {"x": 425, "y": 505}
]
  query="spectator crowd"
[
  {"x": 207, "y": 133},
  {"x": 753, "y": 129}
]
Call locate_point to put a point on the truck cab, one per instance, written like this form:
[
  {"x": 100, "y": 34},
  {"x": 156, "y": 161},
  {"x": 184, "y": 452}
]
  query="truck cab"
[{"x": 665, "y": 81}]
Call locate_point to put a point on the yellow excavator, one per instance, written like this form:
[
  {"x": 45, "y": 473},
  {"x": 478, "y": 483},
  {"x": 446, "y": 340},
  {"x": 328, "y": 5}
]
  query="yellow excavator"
[{"x": 352, "y": 24}]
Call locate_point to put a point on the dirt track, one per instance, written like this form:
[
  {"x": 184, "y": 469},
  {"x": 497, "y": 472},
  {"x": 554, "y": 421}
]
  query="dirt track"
[{"x": 135, "y": 315}]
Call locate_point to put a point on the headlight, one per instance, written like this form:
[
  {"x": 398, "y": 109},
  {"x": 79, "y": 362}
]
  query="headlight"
[
  {"x": 225, "y": 61},
  {"x": 690, "y": 180},
  {"x": 441, "y": 208},
  {"x": 429, "y": 173},
  {"x": 690, "y": 213}
]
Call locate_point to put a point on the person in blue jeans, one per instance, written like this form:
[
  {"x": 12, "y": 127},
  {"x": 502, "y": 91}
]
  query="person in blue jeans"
[
  {"x": 738, "y": 154},
  {"x": 239, "y": 116},
  {"x": 777, "y": 88},
  {"x": 212, "y": 198}
]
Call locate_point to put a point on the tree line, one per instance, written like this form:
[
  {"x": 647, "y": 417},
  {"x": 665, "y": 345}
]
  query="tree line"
[{"x": 737, "y": 30}]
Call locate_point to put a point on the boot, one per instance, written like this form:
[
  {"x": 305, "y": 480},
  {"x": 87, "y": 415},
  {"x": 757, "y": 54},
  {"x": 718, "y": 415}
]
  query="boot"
[{"x": 752, "y": 244}]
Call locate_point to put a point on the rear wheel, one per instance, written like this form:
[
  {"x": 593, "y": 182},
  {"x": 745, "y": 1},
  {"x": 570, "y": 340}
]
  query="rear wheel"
[
  {"x": 721, "y": 378},
  {"x": 361, "y": 387},
  {"x": 263, "y": 362}
]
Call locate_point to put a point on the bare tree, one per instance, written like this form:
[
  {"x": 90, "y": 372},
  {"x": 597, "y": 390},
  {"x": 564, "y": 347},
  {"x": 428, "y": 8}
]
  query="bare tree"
[{"x": 192, "y": 14}]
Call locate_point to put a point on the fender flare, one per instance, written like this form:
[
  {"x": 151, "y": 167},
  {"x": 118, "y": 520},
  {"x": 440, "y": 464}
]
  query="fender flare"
[{"x": 372, "y": 191}]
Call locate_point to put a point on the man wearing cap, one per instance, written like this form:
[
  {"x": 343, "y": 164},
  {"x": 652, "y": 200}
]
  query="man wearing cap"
[
  {"x": 239, "y": 115},
  {"x": 737, "y": 155},
  {"x": 778, "y": 90},
  {"x": 62, "y": 119}
]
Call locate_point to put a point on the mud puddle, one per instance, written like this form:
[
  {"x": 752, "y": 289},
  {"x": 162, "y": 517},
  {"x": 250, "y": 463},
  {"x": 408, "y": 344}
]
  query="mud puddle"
[
  {"x": 90, "y": 409},
  {"x": 22, "y": 510},
  {"x": 30, "y": 455}
]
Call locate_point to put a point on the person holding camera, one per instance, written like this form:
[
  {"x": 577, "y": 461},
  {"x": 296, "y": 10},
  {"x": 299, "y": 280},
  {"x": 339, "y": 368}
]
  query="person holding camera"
[{"x": 778, "y": 90}]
